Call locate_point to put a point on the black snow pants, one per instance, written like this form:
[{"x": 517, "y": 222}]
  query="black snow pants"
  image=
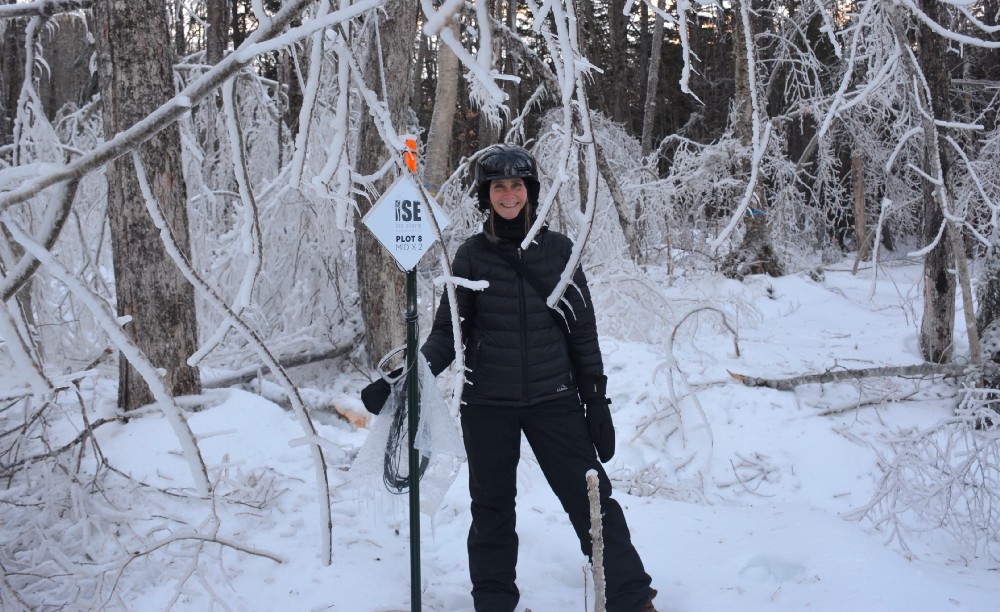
[{"x": 558, "y": 435}]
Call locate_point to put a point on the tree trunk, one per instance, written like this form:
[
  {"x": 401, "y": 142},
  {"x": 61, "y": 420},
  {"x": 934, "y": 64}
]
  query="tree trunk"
[
  {"x": 617, "y": 66},
  {"x": 136, "y": 77},
  {"x": 289, "y": 91},
  {"x": 988, "y": 291},
  {"x": 644, "y": 52},
  {"x": 755, "y": 253},
  {"x": 988, "y": 299},
  {"x": 938, "y": 320},
  {"x": 587, "y": 34},
  {"x": 742, "y": 116},
  {"x": 238, "y": 24},
  {"x": 420, "y": 63},
  {"x": 180, "y": 38},
  {"x": 380, "y": 282},
  {"x": 489, "y": 131},
  {"x": 439, "y": 135},
  {"x": 512, "y": 58},
  {"x": 652, "y": 80},
  {"x": 618, "y": 198},
  {"x": 67, "y": 52},
  {"x": 11, "y": 79},
  {"x": 11, "y": 74},
  {"x": 217, "y": 34},
  {"x": 860, "y": 209}
]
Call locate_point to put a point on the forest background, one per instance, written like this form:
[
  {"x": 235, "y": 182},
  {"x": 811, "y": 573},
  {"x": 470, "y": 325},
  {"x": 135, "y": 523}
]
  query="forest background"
[{"x": 181, "y": 183}]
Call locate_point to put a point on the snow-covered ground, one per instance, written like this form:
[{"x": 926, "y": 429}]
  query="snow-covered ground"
[{"x": 736, "y": 496}]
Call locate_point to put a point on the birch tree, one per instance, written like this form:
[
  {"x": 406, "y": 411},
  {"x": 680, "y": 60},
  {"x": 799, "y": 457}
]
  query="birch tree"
[{"x": 439, "y": 135}]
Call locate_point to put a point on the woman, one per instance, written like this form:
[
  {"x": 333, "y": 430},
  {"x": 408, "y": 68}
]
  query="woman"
[{"x": 529, "y": 369}]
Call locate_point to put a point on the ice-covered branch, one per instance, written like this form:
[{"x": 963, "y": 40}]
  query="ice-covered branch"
[
  {"x": 437, "y": 18},
  {"x": 337, "y": 169},
  {"x": 309, "y": 97},
  {"x": 266, "y": 38},
  {"x": 319, "y": 461},
  {"x": 948, "y": 370},
  {"x": 130, "y": 351},
  {"x": 196, "y": 537},
  {"x": 458, "y": 281},
  {"x": 760, "y": 132},
  {"x": 42, "y": 8},
  {"x": 483, "y": 88},
  {"x": 52, "y": 224},
  {"x": 683, "y": 7},
  {"x": 250, "y": 231},
  {"x": 944, "y": 32},
  {"x": 26, "y": 363},
  {"x": 570, "y": 74},
  {"x": 857, "y": 37},
  {"x": 28, "y": 102},
  {"x": 943, "y": 477},
  {"x": 381, "y": 118}
]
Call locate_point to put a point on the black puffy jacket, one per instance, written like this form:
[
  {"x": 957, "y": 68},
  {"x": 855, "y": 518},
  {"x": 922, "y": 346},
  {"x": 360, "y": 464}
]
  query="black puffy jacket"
[{"x": 516, "y": 354}]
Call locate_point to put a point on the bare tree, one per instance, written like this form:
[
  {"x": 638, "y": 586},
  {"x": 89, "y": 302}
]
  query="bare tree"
[
  {"x": 136, "y": 77},
  {"x": 755, "y": 254},
  {"x": 11, "y": 74},
  {"x": 439, "y": 135},
  {"x": 386, "y": 72},
  {"x": 652, "y": 81},
  {"x": 617, "y": 61},
  {"x": 938, "y": 320},
  {"x": 217, "y": 33},
  {"x": 489, "y": 52},
  {"x": 988, "y": 298}
]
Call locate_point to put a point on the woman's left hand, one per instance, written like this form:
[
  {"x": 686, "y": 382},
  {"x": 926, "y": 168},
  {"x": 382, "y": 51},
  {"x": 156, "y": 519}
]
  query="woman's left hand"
[{"x": 602, "y": 430}]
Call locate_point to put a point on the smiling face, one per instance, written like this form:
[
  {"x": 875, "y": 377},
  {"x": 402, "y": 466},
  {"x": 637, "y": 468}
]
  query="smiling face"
[{"x": 508, "y": 196}]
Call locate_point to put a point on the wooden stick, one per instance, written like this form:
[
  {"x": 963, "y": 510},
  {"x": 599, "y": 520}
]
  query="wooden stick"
[{"x": 596, "y": 539}]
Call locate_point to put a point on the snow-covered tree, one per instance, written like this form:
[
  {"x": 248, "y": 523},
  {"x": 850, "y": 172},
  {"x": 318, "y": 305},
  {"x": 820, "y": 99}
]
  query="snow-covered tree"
[{"x": 151, "y": 293}]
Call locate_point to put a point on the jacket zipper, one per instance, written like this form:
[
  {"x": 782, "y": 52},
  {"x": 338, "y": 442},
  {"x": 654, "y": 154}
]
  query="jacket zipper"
[{"x": 524, "y": 332}]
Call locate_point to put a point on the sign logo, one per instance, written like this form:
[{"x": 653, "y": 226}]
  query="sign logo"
[{"x": 407, "y": 210}]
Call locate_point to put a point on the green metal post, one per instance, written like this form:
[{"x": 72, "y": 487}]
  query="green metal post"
[{"x": 413, "y": 412}]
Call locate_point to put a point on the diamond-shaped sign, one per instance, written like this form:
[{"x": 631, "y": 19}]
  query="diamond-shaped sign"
[{"x": 401, "y": 222}]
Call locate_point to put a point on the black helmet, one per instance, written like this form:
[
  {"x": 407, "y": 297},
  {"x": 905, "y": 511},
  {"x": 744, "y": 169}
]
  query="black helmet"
[{"x": 502, "y": 161}]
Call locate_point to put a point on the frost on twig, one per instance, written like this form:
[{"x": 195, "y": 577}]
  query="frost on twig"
[
  {"x": 751, "y": 473},
  {"x": 305, "y": 419},
  {"x": 74, "y": 517},
  {"x": 946, "y": 477},
  {"x": 42, "y": 8}
]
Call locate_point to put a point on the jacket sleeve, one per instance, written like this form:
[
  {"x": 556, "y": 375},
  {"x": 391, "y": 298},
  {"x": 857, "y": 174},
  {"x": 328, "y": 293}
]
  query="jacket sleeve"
[
  {"x": 439, "y": 348},
  {"x": 584, "y": 347}
]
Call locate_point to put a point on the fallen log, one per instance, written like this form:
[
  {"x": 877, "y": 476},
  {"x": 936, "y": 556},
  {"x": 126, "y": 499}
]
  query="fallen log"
[
  {"x": 946, "y": 370},
  {"x": 250, "y": 373}
]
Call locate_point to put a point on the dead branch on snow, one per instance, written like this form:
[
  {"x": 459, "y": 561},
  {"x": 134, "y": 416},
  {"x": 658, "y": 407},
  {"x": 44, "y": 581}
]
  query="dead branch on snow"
[{"x": 947, "y": 370}]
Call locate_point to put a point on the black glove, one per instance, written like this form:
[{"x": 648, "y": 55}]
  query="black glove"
[
  {"x": 593, "y": 392},
  {"x": 375, "y": 394}
]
